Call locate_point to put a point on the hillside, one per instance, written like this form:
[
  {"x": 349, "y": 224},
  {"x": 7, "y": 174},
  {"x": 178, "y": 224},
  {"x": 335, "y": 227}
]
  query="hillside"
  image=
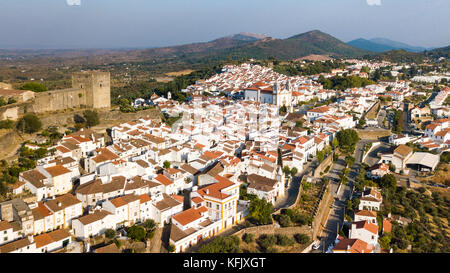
[
  {"x": 398, "y": 56},
  {"x": 313, "y": 42},
  {"x": 383, "y": 45},
  {"x": 440, "y": 52}
]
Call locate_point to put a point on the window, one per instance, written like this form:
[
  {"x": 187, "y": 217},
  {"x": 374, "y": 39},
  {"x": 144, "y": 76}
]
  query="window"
[{"x": 5, "y": 239}]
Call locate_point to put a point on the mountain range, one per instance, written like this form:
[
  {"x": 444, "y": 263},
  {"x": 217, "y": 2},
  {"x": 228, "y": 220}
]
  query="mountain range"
[
  {"x": 234, "y": 47},
  {"x": 383, "y": 45}
]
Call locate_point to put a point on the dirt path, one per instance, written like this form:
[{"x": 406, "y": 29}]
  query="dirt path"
[{"x": 155, "y": 243}]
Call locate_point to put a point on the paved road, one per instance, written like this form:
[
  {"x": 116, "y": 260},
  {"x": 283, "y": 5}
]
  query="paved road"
[
  {"x": 292, "y": 192},
  {"x": 336, "y": 217},
  {"x": 381, "y": 117}
]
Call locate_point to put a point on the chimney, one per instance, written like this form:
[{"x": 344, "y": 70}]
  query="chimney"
[
  {"x": 207, "y": 191},
  {"x": 31, "y": 238},
  {"x": 59, "y": 204}
]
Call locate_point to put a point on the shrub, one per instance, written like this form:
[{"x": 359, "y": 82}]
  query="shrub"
[
  {"x": 6, "y": 124},
  {"x": 248, "y": 237},
  {"x": 267, "y": 241},
  {"x": 91, "y": 118},
  {"x": 283, "y": 240},
  {"x": 29, "y": 123},
  {"x": 285, "y": 220},
  {"x": 110, "y": 233},
  {"x": 118, "y": 243},
  {"x": 229, "y": 244},
  {"x": 149, "y": 225},
  {"x": 171, "y": 248},
  {"x": 301, "y": 238}
]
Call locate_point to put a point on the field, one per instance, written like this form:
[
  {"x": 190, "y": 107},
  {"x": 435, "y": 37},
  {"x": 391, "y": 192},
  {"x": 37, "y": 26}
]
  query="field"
[{"x": 180, "y": 73}]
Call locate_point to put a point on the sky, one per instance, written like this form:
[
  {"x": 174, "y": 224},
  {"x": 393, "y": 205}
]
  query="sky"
[{"x": 154, "y": 23}]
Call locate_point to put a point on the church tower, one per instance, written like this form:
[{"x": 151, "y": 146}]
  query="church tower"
[{"x": 276, "y": 91}]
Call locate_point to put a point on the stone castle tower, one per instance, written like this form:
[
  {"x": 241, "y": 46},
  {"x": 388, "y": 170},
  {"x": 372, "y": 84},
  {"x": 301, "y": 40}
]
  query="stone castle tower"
[
  {"x": 96, "y": 87},
  {"x": 90, "y": 89}
]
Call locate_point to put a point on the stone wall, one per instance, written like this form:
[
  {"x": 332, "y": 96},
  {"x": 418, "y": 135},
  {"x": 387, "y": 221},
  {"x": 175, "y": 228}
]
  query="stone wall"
[
  {"x": 271, "y": 229},
  {"x": 317, "y": 224},
  {"x": 90, "y": 90},
  {"x": 59, "y": 100},
  {"x": 106, "y": 116},
  {"x": 323, "y": 165}
]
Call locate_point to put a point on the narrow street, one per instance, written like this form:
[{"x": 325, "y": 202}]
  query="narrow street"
[
  {"x": 336, "y": 217},
  {"x": 292, "y": 191}
]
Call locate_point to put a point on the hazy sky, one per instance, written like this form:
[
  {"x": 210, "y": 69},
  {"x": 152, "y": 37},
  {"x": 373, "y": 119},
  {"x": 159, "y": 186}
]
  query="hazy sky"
[{"x": 153, "y": 23}]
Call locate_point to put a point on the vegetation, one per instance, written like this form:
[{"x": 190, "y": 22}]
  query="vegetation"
[
  {"x": 347, "y": 140},
  {"x": 283, "y": 240},
  {"x": 166, "y": 164},
  {"x": 110, "y": 233},
  {"x": 29, "y": 123},
  {"x": 7, "y": 124},
  {"x": 27, "y": 161},
  {"x": 445, "y": 157},
  {"x": 301, "y": 238},
  {"x": 34, "y": 86},
  {"x": 248, "y": 238},
  {"x": 91, "y": 118},
  {"x": 290, "y": 217},
  {"x": 136, "y": 233},
  {"x": 260, "y": 212},
  {"x": 298, "y": 69},
  {"x": 427, "y": 232},
  {"x": 398, "y": 121},
  {"x": 228, "y": 244},
  {"x": 343, "y": 83}
]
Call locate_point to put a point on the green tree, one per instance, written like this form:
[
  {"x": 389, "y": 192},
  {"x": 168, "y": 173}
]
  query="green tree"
[
  {"x": 248, "y": 237},
  {"x": 136, "y": 233},
  {"x": 91, "y": 118},
  {"x": 301, "y": 238},
  {"x": 166, "y": 164},
  {"x": 294, "y": 171},
  {"x": 34, "y": 86},
  {"x": 260, "y": 211},
  {"x": 110, "y": 233},
  {"x": 388, "y": 181},
  {"x": 149, "y": 224},
  {"x": 334, "y": 143},
  {"x": 320, "y": 155},
  {"x": 29, "y": 123}
]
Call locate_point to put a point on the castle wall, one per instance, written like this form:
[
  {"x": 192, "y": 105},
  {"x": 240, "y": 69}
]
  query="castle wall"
[
  {"x": 90, "y": 89},
  {"x": 59, "y": 100}
]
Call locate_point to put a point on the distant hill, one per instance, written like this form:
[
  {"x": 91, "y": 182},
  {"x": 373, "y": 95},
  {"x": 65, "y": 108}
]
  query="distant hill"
[
  {"x": 439, "y": 52},
  {"x": 383, "y": 45},
  {"x": 398, "y": 56},
  {"x": 309, "y": 43},
  {"x": 193, "y": 56}
]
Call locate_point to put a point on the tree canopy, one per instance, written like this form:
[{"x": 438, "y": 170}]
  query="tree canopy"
[
  {"x": 91, "y": 118},
  {"x": 29, "y": 123},
  {"x": 34, "y": 86},
  {"x": 260, "y": 211}
]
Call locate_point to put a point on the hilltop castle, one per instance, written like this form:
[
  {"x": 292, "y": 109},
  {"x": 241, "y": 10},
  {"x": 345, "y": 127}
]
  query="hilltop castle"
[{"x": 90, "y": 89}]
